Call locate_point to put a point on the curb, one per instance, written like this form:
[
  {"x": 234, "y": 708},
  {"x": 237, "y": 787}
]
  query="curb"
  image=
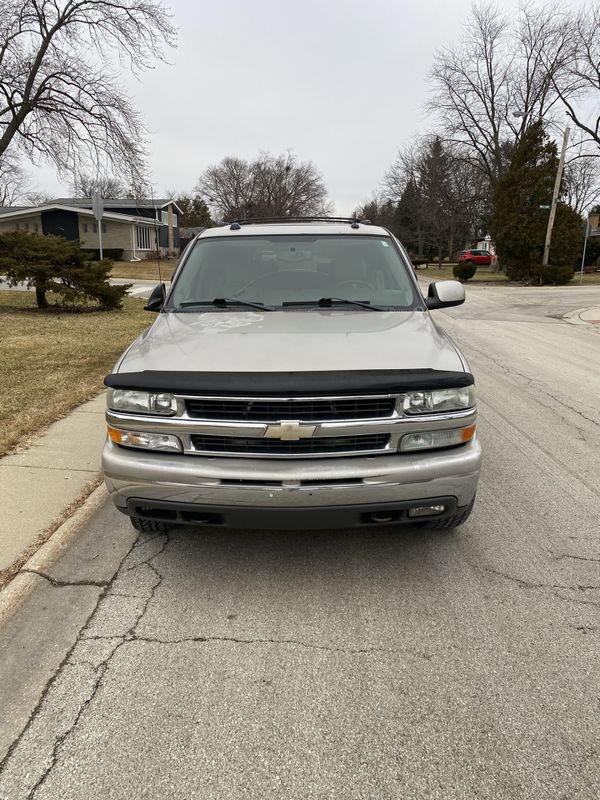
[
  {"x": 574, "y": 317},
  {"x": 22, "y": 583}
]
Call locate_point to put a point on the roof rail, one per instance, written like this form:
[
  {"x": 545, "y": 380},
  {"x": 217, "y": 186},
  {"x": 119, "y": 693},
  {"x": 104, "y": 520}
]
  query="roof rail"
[{"x": 353, "y": 221}]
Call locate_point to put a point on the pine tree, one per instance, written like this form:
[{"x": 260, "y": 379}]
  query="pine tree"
[
  {"x": 195, "y": 212},
  {"x": 52, "y": 264},
  {"x": 518, "y": 223}
]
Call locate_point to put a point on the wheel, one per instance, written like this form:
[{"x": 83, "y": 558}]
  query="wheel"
[
  {"x": 461, "y": 515},
  {"x": 149, "y": 525}
]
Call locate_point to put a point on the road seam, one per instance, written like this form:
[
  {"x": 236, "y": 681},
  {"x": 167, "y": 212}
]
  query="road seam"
[{"x": 54, "y": 540}]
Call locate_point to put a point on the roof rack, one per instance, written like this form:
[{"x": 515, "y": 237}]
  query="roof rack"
[{"x": 352, "y": 221}]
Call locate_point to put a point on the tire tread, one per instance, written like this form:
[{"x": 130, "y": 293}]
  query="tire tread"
[
  {"x": 461, "y": 516},
  {"x": 149, "y": 525}
]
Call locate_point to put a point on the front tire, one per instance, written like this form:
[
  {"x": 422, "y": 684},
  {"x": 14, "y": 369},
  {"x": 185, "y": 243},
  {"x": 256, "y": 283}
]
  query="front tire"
[
  {"x": 461, "y": 516},
  {"x": 149, "y": 525}
]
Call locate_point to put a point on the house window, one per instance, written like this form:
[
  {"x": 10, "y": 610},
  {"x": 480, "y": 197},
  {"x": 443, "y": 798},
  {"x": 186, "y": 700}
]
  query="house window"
[
  {"x": 85, "y": 227},
  {"x": 164, "y": 217},
  {"x": 95, "y": 228},
  {"x": 174, "y": 219},
  {"x": 36, "y": 227},
  {"x": 104, "y": 227},
  {"x": 17, "y": 226},
  {"x": 26, "y": 226},
  {"x": 143, "y": 237}
]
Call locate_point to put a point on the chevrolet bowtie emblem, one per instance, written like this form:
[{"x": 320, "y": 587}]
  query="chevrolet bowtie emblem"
[{"x": 291, "y": 431}]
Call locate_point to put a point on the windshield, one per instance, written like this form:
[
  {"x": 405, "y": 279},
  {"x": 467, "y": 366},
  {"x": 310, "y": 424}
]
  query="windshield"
[{"x": 293, "y": 271}]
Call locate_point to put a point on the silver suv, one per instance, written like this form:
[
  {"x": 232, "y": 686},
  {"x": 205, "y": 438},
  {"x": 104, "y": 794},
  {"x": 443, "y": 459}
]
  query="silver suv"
[{"x": 293, "y": 378}]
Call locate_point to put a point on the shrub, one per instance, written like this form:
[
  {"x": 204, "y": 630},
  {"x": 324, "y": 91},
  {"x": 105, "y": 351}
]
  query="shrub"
[
  {"x": 555, "y": 274},
  {"x": 52, "y": 264},
  {"x": 464, "y": 271},
  {"x": 113, "y": 253}
]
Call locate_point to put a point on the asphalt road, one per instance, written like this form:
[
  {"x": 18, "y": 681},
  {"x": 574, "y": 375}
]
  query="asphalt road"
[{"x": 383, "y": 664}]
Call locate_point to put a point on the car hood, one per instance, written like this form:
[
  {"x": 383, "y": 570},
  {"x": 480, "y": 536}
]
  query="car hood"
[{"x": 288, "y": 340}]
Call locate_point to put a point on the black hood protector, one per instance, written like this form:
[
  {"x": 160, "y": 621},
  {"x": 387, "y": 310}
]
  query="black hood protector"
[{"x": 294, "y": 384}]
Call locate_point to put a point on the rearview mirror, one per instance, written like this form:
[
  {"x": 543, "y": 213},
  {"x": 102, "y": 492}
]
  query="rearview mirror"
[
  {"x": 443, "y": 294},
  {"x": 157, "y": 298}
]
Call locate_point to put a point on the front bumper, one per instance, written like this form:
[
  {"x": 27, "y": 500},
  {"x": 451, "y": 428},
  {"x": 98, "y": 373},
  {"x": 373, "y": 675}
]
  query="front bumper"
[{"x": 251, "y": 485}]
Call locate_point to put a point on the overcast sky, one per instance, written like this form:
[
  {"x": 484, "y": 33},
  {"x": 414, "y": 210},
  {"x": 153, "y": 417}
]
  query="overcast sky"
[{"x": 341, "y": 82}]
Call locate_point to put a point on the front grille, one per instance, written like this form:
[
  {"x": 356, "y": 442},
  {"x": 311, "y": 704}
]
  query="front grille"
[
  {"x": 251, "y": 445},
  {"x": 275, "y": 410}
]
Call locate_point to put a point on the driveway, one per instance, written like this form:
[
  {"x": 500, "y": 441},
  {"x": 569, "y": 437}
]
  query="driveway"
[{"x": 349, "y": 664}]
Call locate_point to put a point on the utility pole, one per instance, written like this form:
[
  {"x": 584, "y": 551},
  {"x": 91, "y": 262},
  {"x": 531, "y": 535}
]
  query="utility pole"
[
  {"x": 552, "y": 214},
  {"x": 587, "y": 233}
]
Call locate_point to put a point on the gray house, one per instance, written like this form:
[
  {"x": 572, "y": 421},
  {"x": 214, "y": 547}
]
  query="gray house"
[{"x": 137, "y": 227}]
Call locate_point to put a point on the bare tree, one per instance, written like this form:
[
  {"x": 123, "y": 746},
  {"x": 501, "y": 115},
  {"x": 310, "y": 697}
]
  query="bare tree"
[
  {"x": 109, "y": 187},
  {"x": 14, "y": 183},
  {"x": 581, "y": 180},
  {"x": 500, "y": 66},
  {"x": 267, "y": 186},
  {"x": 580, "y": 92},
  {"x": 37, "y": 198},
  {"x": 441, "y": 198},
  {"x": 56, "y": 103}
]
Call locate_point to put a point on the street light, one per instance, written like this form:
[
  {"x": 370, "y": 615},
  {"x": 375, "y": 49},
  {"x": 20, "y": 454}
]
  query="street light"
[{"x": 559, "y": 172}]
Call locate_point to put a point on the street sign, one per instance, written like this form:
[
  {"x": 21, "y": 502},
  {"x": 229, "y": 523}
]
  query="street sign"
[
  {"x": 98, "y": 210},
  {"x": 545, "y": 206},
  {"x": 97, "y": 205}
]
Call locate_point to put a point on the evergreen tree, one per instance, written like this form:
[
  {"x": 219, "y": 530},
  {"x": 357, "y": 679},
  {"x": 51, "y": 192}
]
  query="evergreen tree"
[
  {"x": 409, "y": 219},
  {"x": 52, "y": 264},
  {"x": 518, "y": 224},
  {"x": 195, "y": 212},
  {"x": 379, "y": 211}
]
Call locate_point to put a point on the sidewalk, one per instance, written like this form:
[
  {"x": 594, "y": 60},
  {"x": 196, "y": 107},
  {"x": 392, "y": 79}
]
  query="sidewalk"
[{"x": 40, "y": 483}]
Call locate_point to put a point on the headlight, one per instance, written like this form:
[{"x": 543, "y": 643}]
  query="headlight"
[
  {"x": 432, "y": 440},
  {"x": 145, "y": 441},
  {"x": 142, "y": 402},
  {"x": 431, "y": 402}
]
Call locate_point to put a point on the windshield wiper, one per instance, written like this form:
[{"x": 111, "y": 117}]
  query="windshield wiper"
[
  {"x": 328, "y": 302},
  {"x": 225, "y": 302}
]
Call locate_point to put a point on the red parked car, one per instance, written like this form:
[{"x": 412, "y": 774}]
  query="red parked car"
[{"x": 475, "y": 257}]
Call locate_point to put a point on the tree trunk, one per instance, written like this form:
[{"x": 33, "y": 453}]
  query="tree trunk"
[{"x": 40, "y": 297}]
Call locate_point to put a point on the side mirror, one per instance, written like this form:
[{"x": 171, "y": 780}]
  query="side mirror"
[
  {"x": 443, "y": 294},
  {"x": 157, "y": 298}
]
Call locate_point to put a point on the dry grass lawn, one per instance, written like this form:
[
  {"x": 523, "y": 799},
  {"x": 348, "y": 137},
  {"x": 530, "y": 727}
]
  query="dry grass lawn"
[
  {"x": 483, "y": 274},
  {"x": 52, "y": 362},
  {"x": 487, "y": 275},
  {"x": 144, "y": 270}
]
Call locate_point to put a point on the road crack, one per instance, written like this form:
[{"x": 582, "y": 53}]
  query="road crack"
[
  {"x": 530, "y": 382},
  {"x": 292, "y": 642},
  {"x": 530, "y": 585},
  {"x": 561, "y": 556},
  {"x": 62, "y": 583},
  {"x": 100, "y": 670}
]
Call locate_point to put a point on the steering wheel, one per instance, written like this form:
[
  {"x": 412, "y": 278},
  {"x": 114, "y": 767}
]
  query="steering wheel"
[
  {"x": 356, "y": 283},
  {"x": 287, "y": 279}
]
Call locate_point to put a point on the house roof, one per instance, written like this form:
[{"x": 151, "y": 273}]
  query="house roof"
[
  {"x": 28, "y": 211},
  {"x": 8, "y": 209},
  {"x": 124, "y": 202}
]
